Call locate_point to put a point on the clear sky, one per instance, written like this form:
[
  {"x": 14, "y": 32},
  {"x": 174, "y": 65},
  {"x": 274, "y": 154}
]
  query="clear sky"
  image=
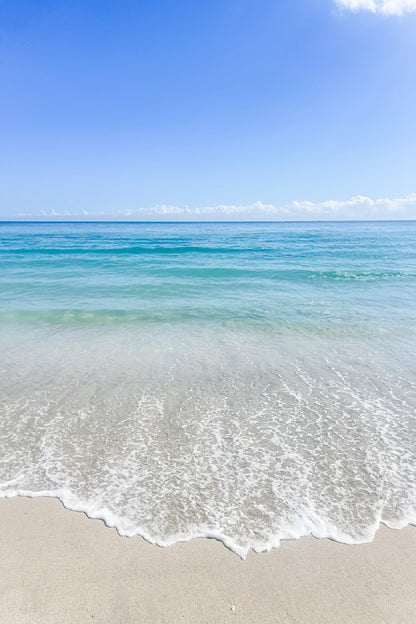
[{"x": 190, "y": 109}]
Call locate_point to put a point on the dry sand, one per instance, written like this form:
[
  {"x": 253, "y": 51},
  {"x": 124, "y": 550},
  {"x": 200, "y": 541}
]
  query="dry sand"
[{"x": 60, "y": 567}]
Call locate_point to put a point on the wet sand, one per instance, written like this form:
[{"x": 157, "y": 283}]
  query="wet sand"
[{"x": 59, "y": 567}]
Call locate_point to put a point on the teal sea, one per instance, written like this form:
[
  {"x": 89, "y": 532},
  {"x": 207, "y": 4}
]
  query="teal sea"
[{"x": 250, "y": 382}]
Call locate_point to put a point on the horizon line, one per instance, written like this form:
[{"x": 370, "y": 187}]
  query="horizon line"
[{"x": 2, "y": 221}]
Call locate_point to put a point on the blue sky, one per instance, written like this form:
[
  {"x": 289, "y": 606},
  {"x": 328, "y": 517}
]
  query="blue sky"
[{"x": 236, "y": 108}]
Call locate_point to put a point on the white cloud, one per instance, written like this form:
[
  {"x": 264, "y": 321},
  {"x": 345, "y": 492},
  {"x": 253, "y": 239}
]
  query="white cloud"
[
  {"x": 387, "y": 7},
  {"x": 356, "y": 208}
]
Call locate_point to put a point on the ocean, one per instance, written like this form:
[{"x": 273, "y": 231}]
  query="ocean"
[{"x": 248, "y": 382}]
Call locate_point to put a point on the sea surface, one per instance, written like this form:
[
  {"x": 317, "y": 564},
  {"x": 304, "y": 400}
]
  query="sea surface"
[{"x": 250, "y": 382}]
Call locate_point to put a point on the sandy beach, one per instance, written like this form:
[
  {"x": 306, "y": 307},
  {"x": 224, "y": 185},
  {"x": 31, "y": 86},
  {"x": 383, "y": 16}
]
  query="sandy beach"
[{"x": 60, "y": 566}]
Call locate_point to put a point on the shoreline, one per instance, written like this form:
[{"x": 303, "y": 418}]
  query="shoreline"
[{"x": 60, "y": 566}]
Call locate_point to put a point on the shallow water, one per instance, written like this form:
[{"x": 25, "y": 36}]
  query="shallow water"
[{"x": 250, "y": 382}]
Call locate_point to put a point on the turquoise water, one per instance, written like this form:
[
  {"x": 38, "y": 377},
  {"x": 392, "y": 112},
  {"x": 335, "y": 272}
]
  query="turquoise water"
[{"x": 249, "y": 382}]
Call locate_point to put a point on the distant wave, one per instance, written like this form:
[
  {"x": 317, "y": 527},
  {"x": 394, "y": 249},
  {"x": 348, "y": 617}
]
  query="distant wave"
[{"x": 145, "y": 250}]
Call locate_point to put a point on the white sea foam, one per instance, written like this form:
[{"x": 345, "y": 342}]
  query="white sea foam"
[{"x": 246, "y": 437}]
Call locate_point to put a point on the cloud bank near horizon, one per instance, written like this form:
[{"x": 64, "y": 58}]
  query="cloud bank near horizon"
[
  {"x": 386, "y": 7},
  {"x": 356, "y": 208}
]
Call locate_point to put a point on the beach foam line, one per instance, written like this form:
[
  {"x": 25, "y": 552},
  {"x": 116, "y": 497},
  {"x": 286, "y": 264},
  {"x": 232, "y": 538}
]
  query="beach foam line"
[{"x": 313, "y": 526}]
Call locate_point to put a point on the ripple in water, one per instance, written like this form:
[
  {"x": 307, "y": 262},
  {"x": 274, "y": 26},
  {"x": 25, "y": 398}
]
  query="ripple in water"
[{"x": 244, "y": 437}]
